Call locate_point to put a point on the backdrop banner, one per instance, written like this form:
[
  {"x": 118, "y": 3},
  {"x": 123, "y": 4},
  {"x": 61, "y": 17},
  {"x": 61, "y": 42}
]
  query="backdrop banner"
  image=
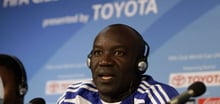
[{"x": 53, "y": 38}]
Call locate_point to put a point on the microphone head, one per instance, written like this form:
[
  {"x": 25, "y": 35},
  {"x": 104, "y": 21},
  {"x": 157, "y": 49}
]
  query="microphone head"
[
  {"x": 37, "y": 100},
  {"x": 197, "y": 88}
]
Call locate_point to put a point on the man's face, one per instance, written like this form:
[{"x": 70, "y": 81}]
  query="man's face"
[{"x": 113, "y": 63}]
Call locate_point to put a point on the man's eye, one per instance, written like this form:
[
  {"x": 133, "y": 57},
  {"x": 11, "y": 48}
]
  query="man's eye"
[
  {"x": 119, "y": 53},
  {"x": 97, "y": 53}
]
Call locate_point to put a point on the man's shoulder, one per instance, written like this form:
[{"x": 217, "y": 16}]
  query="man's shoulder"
[
  {"x": 82, "y": 86},
  {"x": 154, "y": 91},
  {"x": 80, "y": 91},
  {"x": 148, "y": 84}
]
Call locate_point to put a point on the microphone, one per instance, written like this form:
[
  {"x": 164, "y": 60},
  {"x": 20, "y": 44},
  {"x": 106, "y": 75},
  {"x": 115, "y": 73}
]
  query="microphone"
[
  {"x": 37, "y": 100},
  {"x": 194, "y": 90}
]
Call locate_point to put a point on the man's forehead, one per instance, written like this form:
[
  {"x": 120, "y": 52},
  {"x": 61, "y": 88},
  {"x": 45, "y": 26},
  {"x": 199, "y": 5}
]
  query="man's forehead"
[
  {"x": 118, "y": 30},
  {"x": 112, "y": 46},
  {"x": 112, "y": 39},
  {"x": 123, "y": 36}
]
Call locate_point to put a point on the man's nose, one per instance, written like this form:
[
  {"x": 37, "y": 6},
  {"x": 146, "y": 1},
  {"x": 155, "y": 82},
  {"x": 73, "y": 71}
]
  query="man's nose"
[{"x": 106, "y": 59}]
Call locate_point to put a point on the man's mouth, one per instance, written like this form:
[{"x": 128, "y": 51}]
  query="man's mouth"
[{"x": 106, "y": 77}]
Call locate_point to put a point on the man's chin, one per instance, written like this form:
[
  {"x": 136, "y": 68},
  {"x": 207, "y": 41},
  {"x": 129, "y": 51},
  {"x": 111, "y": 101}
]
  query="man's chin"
[{"x": 107, "y": 88}]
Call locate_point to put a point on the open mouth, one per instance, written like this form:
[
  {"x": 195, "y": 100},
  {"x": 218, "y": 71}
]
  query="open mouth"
[{"x": 106, "y": 77}]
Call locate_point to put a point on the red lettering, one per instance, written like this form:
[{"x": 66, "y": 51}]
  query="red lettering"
[
  {"x": 53, "y": 87},
  {"x": 212, "y": 101},
  {"x": 210, "y": 79}
]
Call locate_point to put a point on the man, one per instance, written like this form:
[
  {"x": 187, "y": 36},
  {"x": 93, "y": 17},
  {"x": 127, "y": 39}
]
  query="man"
[
  {"x": 14, "y": 80},
  {"x": 117, "y": 62}
]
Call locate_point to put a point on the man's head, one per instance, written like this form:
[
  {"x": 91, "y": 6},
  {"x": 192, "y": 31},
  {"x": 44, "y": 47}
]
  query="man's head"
[
  {"x": 114, "y": 58},
  {"x": 13, "y": 76}
]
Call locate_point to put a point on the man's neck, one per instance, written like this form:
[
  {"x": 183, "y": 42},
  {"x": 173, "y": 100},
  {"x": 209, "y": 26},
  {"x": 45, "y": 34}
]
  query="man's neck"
[{"x": 123, "y": 95}]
